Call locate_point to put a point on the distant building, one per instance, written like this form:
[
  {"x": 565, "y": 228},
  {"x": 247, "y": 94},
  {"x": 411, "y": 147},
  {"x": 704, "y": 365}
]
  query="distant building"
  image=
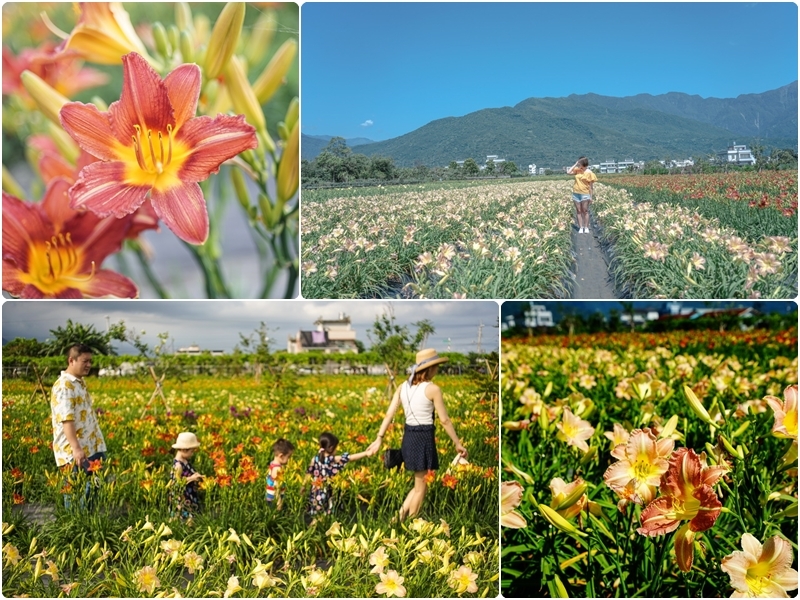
[
  {"x": 532, "y": 169},
  {"x": 640, "y": 317},
  {"x": 195, "y": 350},
  {"x": 612, "y": 166},
  {"x": 738, "y": 155},
  {"x": 538, "y": 316},
  {"x": 331, "y": 336}
]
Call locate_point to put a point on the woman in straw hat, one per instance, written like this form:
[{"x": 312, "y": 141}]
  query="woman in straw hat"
[
  {"x": 185, "y": 505},
  {"x": 420, "y": 397}
]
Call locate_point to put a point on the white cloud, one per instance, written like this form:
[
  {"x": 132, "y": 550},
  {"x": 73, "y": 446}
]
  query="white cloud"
[{"x": 367, "y": 123}]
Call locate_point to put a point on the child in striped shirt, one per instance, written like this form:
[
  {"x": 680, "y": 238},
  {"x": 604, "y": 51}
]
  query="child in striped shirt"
[{"x": 281, "y": 453}]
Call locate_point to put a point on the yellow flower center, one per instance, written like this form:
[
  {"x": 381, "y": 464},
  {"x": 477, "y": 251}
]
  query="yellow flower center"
[
  {"x": 790, "y": 423},
  {"x": 54, "y": 265},
  {"x": 643, "y": 468},
  {"x": 157, "y": 160}
]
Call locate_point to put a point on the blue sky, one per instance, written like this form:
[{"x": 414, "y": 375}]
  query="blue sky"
[{"x": 379, "y": 70}]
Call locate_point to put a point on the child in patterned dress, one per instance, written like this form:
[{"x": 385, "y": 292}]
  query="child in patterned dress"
[
  {"x": 186, "y": 504},
  {"x": 281, "y": 453},
  {"x": 323, "y": 467}
]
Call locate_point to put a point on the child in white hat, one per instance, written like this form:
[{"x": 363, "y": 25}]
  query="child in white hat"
[{"x": 185, "y": 505}]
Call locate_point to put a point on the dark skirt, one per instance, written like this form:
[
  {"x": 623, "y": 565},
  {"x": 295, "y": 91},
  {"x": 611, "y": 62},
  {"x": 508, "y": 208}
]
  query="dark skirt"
[{"x": 419, "y": 448}]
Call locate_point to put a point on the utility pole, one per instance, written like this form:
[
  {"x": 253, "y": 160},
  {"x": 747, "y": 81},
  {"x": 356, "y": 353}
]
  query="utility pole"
[{"x": 480, "y": 336}]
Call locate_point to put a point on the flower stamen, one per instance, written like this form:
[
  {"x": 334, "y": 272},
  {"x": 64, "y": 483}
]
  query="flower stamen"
[{"x": 61, "y": 249}]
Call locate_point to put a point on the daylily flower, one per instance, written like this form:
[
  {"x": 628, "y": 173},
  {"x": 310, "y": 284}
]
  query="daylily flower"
[
  {"x": 761, "y": 571},
  {"x": 463, "y": 580},
  {"x": 150, "y": 144},
  {"x": 391, "y": 584},
  {"x": 233, "y": 587},
  {"x": 12, "y": 554},
  {"x": 642, "y": 462},
  {"x": 574, "y": 430},
  {"x": 50, "y": 251},
  {"x": 510, "y": 498},
  {"x": 146, "y": 579},
  {"x": 379, "y": 559},
  {"x": 104, "y": 33},
  {"x": 192, "y": 561},
  {"x": 785, "y": 425},
  {"x": 67, "y": 77},
  {"x": 687, "y": 495}
]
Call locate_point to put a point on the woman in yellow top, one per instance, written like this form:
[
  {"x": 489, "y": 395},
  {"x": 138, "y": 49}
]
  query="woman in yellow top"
[{"x": 582, "y": 191}]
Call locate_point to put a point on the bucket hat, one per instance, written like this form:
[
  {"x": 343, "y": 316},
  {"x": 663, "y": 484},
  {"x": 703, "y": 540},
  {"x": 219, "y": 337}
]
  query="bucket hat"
[
  {"x": 186, "y": 441},
  {"x": 426, "y": 358}
]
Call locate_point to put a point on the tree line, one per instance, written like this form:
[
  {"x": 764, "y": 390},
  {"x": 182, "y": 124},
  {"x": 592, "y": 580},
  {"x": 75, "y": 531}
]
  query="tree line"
[{"x": 337, "y": 163}]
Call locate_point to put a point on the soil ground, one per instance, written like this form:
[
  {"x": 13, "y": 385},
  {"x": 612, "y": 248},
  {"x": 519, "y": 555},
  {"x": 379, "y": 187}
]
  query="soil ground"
[{"x": 592, "y": 281}]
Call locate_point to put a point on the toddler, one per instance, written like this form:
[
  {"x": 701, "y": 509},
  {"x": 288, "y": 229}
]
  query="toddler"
[
  {"x": 281, "y": 453},
  {"x": 325, "y": 465},
  {"x": 187, "y": 504}
]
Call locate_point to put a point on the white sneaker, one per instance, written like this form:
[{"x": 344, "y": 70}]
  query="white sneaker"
[
  {"x": 585, "y": 230},
  {"x": 581, "y": 230}
]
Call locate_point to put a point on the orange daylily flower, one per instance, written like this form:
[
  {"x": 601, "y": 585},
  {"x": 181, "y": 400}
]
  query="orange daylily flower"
[
  {"x": 150, "y": 144},
  {"x": 50, "y": 251},
  {"x": 687, "y": 495},
  {"x": 761, "y": 571},
  {"x": 643, "y": 459}
]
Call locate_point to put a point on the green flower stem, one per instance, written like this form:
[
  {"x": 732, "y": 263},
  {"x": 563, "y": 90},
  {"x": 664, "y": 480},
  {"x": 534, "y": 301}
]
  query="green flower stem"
[
  {"x": 212, "y": 273},
  {"x": 144, "y": 263}
]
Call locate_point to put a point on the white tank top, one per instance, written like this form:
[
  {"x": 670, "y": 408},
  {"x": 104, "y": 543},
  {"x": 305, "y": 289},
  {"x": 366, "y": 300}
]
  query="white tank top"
[{"x": 418, "y": 408}]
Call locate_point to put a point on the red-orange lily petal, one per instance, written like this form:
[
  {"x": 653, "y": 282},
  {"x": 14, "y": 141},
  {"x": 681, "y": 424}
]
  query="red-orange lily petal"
[
  {"x": 152, "y": 146},
  {"x": 48, "y": 256},
  {"x": 684, "y": 548}
]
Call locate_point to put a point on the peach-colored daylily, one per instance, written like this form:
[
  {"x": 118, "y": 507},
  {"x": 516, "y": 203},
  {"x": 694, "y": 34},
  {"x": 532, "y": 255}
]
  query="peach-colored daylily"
[
  {"x": 510, "y": 498},
  {"x": 643, "y": 460},
  {"x": 761, "y": 571},
  {"x": 619, "y": 436},
  {"x": 687, "y": 495},
  {"x": 785, "y": 425},
  {"x": 391, "y": 584},
  {"x": 50, "y": 251},
  {"x": 151, "y": 145},
  {"x": 574, "y": 430},
  {"x": 103, "y": 34}
]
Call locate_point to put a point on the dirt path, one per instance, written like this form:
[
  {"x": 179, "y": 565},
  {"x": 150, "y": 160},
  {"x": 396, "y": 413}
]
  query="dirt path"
[{"x": 592, "y": 281}]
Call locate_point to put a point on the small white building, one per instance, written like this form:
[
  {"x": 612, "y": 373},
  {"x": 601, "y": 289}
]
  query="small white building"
[
  {"x": 739, "y": 154},
  {"x": 331, "y": 336},
  {"x": 532, "y": 169},
  {"x": 195, "y": 350},
  {"x": 640, "y": 317},
  {"x": 538, "y": 316}
]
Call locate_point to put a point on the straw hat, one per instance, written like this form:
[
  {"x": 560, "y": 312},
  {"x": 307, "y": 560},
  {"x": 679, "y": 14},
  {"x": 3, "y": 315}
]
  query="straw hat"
[
  {"x": 427, "y": 358},
  {"x": 186, "y": 441}
]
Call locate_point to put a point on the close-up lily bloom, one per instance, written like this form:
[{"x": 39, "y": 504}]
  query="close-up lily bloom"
[
  {"x": 510, "y": 498},
  {"x": 574, "y": 430},
  {"x": 643, "y": 459},
  {"x": 50, "y": 251},
  {"x": 761, "y": 571},
  {"x": 151, "y": 145},
  {"x": 686, "y": 495}
]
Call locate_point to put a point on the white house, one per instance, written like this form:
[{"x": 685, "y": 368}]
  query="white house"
[
  {"x": 331, "y": 336},
  {"x": 532, "y": 169},
  {"x": 739, "y": 155},
  {"x": 195, "y": 350},
  {"x": 538, "y": 316}
]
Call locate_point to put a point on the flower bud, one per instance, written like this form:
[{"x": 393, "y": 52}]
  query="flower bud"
[
  {"x": 559, "y": 522},
  {"x": 11, "y": 186},
  {"x": 696, "y": 405},
  {"x": 242, "y": 96},
  {"x": 261, "y": 37},
  {"x": 48, "y": 100},
  {"x": 240, "y": 187},
  {"x": 288, "y": 177},
  {"x": 187, "y": 50},
  {"x": 292, "y": 113},
  {"x": 669, "y": 428},
  {"x": 183, "y": 16},
  {"x": 564, "y": 501},
  {"x": 740, "y": 430},
  {"x": 224, "y": 38},
  {"x": 160, "y": 39},
  {"x": 275, "y": 71},
  {"x": 517, "y": 425},
  {"x": 174, "y": 37}
]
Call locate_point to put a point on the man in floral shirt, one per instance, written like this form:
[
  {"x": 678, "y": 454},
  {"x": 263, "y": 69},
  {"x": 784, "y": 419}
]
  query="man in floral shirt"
[{"x": 77, "y": 438}]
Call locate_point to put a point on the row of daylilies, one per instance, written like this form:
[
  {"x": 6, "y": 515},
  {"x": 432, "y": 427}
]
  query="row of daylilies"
[
  {"x": 114, "y": 170},
  {"x": 662, "y": 487}
]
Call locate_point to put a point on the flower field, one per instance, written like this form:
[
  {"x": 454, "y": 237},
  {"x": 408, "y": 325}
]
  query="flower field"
[
  {"x": 127, "y": 544},
  {"x": 702, "y": 236},
  {"x": 499, "y": 240},
  {"x": 650, "y": 465}
]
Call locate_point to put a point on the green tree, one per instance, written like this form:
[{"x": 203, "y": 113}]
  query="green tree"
[
  {"x": 509, "y": 167},
  {"x": 382, "y": 167},
  {"x": 490, "y": 167},
  {"x": 78, "y": 333},
  {"x": 24, "y": 347},
  {"x": 471, "y": 168},
  {"x": 394, "y": 344}
]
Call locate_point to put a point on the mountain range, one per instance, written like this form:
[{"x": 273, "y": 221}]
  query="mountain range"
[
  {"x": 553, "y": 132},
  {"x": 313, "y": 144}
]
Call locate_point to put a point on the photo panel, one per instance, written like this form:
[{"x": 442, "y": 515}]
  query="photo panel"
[
  {"x": 150, "y": 150},
  {"x": 649, "y": 449},
  {"x": 517, "y": 150},
  {"x": 244, "y": 448}
]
